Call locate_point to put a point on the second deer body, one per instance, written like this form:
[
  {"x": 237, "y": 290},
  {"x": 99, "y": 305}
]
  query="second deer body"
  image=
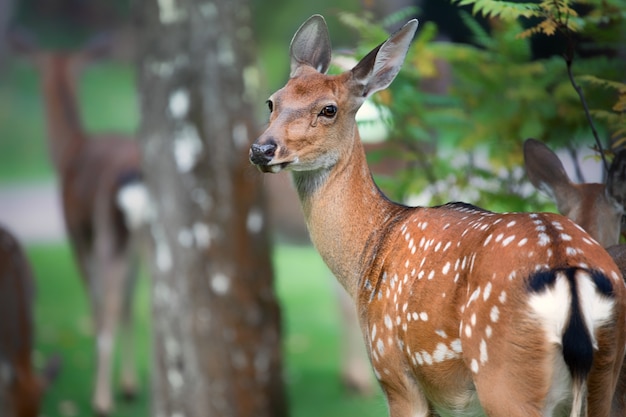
[
  {"x": 103, "y": 200},
  {"x": 463, "y": 311}
]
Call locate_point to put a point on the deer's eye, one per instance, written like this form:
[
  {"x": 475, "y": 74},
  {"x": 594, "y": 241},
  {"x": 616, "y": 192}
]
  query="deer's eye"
[
  {"x": 329, "y": 111},
  {"x": 270, "y": 105}
]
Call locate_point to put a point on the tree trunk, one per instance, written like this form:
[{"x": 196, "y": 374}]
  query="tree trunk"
[{"x": 217, "y": 339}]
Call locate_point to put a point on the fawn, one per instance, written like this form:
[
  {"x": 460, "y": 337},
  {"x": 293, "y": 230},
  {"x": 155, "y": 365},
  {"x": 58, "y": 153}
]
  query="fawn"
[{"x": 463, "y": 311}]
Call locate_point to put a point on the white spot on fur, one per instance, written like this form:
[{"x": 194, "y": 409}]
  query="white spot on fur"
[
  {"x": 483, "y": 352},
  {"x": 474, "y": 366},
  {"x": 494, "y": 315},
  {"x": 442, "y": 353},
  {"x": 508, "y": 240},
  {"x": 456, "y": 346},
  {"x": 468, "y": 331},
  {"x": 487, "y": 291},
  {"x": 544, "y": 239},
  {"x": 388, "y": 322}
]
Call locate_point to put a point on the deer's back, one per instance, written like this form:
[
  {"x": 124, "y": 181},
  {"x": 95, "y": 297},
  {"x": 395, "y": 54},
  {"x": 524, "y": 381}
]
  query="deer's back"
[{"x": 457, "y": 280}]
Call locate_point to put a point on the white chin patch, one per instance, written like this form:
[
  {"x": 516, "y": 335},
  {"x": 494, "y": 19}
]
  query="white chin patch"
[{"x": 275, "y": 168}]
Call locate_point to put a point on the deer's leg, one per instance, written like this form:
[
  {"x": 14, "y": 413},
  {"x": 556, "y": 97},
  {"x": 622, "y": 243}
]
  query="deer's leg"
[
  {"x": 106, "y": 324},
  {"x": 112, "y": 268},
  {"x": 356, "y": 370},
  {"x": 507, "y": 398},
  {"x": 406, "y": 402},
  {"x": 605, "y": 388},
  {"x": 129, "y": 370},
  {"x": 513, "y": 381},
  {"x": 618, "y": 407}
]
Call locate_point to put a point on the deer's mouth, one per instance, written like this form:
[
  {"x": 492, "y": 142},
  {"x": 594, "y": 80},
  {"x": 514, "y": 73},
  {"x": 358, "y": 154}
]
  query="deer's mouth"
[
  {"x": 265, "y": 156},
  {"x": 272, "y": 168}
]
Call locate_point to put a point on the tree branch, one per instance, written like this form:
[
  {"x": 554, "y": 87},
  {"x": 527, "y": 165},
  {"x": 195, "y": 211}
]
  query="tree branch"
[
  {"x": 569, "y": 60},
  {"x": 581, "y": 96}
]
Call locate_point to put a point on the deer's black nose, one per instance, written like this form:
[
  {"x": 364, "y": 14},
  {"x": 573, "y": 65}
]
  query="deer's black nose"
[{"x": 261, "y": 154}]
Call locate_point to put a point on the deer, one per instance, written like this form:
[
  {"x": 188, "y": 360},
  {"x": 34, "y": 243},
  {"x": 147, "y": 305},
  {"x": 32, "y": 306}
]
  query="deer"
[
  {"x": 21, "y": 386},
  {"x": 598, "y": 208},
  {"x": 463, "y": 311},
  {"x": 104, "y": 204}
]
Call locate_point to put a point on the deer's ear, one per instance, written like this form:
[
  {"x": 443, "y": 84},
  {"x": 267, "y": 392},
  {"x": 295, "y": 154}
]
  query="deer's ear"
[
  {"x": 378, "y": 68},
  {"x": 545, "y": 170},
  {"x": 311, "y": 45}
]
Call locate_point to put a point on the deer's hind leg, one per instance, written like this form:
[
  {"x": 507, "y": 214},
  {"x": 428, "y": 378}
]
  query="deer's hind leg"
[
  {"x": 405, "y": 397},
  {"x": 112, "y": 269},
  {"x": 604, "y": 379},
  {"x": 129, "y": 369},
  {"x": 521, "y": 375}
]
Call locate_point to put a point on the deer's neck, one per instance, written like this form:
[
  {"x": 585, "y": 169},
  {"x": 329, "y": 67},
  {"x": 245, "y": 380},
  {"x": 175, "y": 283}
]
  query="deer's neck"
[
  {"x": 65, "y": 131},
  {"x": 346, "y": 215}
]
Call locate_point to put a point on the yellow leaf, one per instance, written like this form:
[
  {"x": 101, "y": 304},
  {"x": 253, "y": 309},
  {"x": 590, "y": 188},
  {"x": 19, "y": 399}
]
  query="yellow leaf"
[
  {"x": 527, "y": 33},
  {"x": 548, "y": 26},
  {"x": 620, "y": 106}
]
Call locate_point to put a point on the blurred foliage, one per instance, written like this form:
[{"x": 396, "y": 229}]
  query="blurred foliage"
[{"x": 462, "y": 111}]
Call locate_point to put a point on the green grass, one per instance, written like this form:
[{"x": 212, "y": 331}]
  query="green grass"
[{"x": 311, "y": 329}]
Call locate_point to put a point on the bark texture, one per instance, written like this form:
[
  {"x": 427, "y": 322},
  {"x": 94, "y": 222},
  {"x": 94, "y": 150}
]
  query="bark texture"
[{"x": 217, "y": 338}]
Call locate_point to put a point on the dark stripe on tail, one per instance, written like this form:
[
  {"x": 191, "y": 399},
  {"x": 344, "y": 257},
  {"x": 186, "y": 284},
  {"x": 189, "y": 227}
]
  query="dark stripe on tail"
[{"x": 577, "y": 342}]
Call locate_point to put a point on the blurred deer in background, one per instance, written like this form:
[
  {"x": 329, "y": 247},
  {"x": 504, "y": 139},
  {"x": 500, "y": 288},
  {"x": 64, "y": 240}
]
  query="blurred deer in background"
[
  {"x": 104, "y": 206},
  {"x": 455, "y": 302},
  {"x": 597, "y": 208},
  {"x": 21, "y": 387}
]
